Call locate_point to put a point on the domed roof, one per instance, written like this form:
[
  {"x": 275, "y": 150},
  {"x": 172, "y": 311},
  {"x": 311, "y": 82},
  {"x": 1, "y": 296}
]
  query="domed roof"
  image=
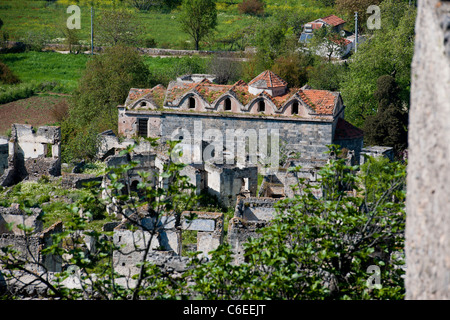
[{"x": 267, "y": 79}]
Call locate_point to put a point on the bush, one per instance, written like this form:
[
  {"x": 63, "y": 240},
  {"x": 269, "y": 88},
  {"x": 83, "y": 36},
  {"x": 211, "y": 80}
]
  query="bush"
[
  {"x": 251, "y": 7},
  {"x": 16, "y": 92},
  {"x": 60, "y": 111},
  {"x": 7, "y": 76}
]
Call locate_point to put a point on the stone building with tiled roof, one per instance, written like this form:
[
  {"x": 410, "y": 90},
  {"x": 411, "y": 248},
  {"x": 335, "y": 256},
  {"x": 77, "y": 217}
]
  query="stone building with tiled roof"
[{"x": 307, "y": 120}]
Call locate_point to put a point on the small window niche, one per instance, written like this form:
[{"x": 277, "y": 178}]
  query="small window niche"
[
  {"x": 227, "y": 104},
  {"x": 295, "y": 107},
  {"x": 191, "y": 103},
  {"x": 261, "y": 106}
]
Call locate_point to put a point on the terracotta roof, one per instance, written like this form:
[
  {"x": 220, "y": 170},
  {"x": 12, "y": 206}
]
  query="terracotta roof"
[
  {"x": 316, "y": 25},
  {"x": 321, "y": 101},
  {"x": 177, "y": 90},
  {"x": 333, "y": 20},
  {"x": 279, "y": 101},
  {"x": 242, "y": 94},
  {"x": 341, "y": 41},
  {"x": 345, "y": 130},
  {"x": 135, "y": 94},
  {"x": 240, "y": 83},
  {"x": 211, "y": 92},
  {"x": 155, "y": 95},
  {"x": 267, "y": 79}
]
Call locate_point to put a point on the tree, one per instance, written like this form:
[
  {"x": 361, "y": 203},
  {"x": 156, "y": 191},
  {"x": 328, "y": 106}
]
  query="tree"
[
  {"x": 322, "y": 248},
  {"x": 388, "y": 127},
  {"x": 270, "y": 40},
  {"x": 225, "y": 68},
  {"x": 293, "y": 67},
  {"x": 328, "y": 43},
  {"x": 7, "y": 76},
  {"x": 146, "y": 5},
  {"x": 94, "y": 266},
  {"x": 104, "y": 85},
  {"x": 72, "y": 39},
  {"x": 326, "y": 75},
  {"x": 118, "y": 26},
  {"x": 349, "y": 7},
  {"x": 251, "y": 7},
  {"x": 197, "y": 18},
  {"x": 388, "y": 51}
]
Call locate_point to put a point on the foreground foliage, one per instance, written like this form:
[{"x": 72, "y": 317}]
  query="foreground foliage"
[
  {"x": 346, "y": 245},
  {"x": 322, "y": 248}
]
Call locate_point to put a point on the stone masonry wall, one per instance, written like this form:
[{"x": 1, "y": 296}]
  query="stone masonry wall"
[
  {"x": 251, "y": 214},
  {"x": 307, "y": 137}
]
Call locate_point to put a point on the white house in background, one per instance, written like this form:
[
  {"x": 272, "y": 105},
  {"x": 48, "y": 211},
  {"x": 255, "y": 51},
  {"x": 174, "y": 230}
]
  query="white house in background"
[{"x": 337, "y": 25}]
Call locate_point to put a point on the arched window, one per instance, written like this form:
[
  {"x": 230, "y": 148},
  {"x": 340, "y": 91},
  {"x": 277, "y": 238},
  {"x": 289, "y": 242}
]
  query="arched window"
[
  {"x": 295, "y": 107},
  {"x": 227, "y": 104},
  {"x": 261, "y": 106},
  {"x": 133, "y": 186},
  {"x": 191, "y": 103}
]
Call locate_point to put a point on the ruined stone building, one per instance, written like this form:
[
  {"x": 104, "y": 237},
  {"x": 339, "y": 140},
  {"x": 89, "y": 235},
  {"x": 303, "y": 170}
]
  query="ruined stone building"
[
  {"x": 30, "y": 153},
  {"x": 214, "y": 121},
  {"x": 305, "y": 119}
]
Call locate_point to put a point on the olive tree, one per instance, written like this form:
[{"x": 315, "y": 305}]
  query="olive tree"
[{"x": 197, "y": 18}]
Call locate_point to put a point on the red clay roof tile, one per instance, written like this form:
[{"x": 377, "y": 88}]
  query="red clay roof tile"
[
  {"x": 333, "y": 20},
  {"x": 321, "y": 101},
  {"x": 345, "y": 130},
  {"x": 268, "y": 79}
]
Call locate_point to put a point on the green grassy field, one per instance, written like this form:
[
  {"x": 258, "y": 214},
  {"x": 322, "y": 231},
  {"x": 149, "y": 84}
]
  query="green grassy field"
[
  {"x": 38, "y": 20},
  {"x": 60, "y": 70}
]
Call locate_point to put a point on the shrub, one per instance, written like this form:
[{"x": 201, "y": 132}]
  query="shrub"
[
  {"x": 16, "y": 92},
  {"x": 7, "y": 76},
  {"x": 60, "y": 111},
  {"x": 251, "y": 7}
]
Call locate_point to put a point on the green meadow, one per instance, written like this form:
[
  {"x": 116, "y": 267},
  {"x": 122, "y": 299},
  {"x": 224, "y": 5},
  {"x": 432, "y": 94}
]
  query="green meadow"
[{"x": 28, "y": 20}]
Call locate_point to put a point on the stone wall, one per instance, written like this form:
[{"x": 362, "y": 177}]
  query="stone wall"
[
  {"x": 15, "y": 216},
  {"x": 251, "y": 214},
  {"x": 376, "y": 151},
  {"x": 307, "y": 137},
  {"x": 227, "y": 182},
  {"x": 32, "y": 153},
  {"x": 428, "y": 178},
  {"x": 209, "y": 227},
  {"x": 30, "y": 247},
  {"x": 3, "y": 155},
  {"x": 78, "y": 180}
]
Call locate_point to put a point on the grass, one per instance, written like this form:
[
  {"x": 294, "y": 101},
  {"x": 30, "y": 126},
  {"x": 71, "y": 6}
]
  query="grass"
[
  {"x": 59, "y": 71},
  {"x": 56, "y": 72},
  {"x": 26, "y": 20},
  {"x": 50, "y": 197}
]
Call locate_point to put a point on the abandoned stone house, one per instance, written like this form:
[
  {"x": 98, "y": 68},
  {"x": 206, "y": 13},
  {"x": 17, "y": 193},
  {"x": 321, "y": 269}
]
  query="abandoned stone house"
[
  {"x": 194, "y": 109},
  {"x": 304, "y": 119},
  {"x": 307, "y": 120},
  {"x": 30, "y": 153}
]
